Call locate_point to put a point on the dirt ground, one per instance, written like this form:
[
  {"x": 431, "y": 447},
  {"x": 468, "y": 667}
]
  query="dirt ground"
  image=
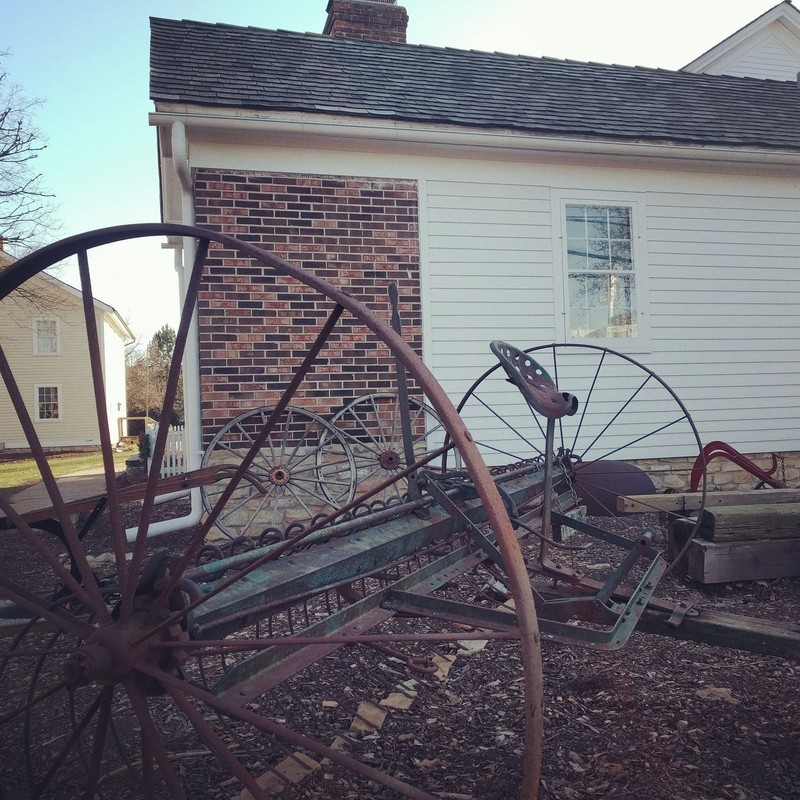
[{"x": 660, "y": 719}]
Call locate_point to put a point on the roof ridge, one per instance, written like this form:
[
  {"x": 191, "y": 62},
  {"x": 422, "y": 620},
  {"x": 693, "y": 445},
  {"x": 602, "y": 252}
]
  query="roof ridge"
[{"x": 360, "y": 43}]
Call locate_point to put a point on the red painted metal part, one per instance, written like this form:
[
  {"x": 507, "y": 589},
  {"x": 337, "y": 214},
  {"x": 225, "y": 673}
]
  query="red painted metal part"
[{"x": 721, "y": 450}]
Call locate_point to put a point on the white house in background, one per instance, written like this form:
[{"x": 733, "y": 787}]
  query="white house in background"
[
  {"x": 45, "y": 343},
  {"x": 768, "y": 47},
  {"x": 467, "y": 172}
]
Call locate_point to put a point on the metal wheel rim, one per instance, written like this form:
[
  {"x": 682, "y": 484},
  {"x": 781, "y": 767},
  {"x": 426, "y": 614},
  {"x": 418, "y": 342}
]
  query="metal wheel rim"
[{"x": 86, "y": 593}]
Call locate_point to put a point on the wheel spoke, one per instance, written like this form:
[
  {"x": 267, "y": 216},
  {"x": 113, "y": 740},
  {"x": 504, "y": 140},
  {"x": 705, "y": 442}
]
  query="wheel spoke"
[
  {"x": 198, "y": 539},
  {"x": 95, "y": 600},
  {"x": 118, "y": 541},
  {"x": 148, "y": 501},
  {"x": 215, "y": 744},
  {"x": 59, "y": 570},
  {"x": 152, "y": 742},
  {"x": 616, "y": 416},
  {"x": 93, "y": 773},
  {"x": 286, "y": 734},
  {"x": 39, "y": 607},
  {"x": 68, "y": 746}
]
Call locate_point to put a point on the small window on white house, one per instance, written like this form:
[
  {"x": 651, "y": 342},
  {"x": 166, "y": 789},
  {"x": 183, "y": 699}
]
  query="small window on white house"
[
  {"x": 48, "y": 403},
  {"x": 601, "y": 275},
  {"x": 46, "y": 340}
]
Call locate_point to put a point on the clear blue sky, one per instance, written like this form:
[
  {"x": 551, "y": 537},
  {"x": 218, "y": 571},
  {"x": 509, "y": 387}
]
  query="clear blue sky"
[{"x": 88, "y": 61}]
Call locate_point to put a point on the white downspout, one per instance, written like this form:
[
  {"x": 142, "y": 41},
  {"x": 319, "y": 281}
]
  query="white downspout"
[{"x": 191, "y": 358}]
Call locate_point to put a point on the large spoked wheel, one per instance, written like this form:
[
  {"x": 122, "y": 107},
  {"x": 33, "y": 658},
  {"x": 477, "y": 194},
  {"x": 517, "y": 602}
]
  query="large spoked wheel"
[
  {"x": 302, "y": 470},
  {"x": 631, "y": 434},
  {"x": 372, "y": 426},
  {"x": 153, "y": 673}
]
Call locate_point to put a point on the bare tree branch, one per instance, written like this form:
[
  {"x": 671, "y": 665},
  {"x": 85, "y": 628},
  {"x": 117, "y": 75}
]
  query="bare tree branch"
[{"x": 27, "y": 213}]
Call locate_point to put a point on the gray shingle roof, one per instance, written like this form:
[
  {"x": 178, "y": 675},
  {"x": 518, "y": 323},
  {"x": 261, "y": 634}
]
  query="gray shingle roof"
[{"x": 225, "y": 65}]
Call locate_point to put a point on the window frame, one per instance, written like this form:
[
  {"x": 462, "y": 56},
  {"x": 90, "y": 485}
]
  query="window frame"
[
  {"x": 635, "y": 202},
  {"x": 36, "y": 339},
  {"x": 37, "y": 407}
]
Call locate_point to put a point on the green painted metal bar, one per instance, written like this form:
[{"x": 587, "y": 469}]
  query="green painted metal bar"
[{"x": 340, "y": 561}]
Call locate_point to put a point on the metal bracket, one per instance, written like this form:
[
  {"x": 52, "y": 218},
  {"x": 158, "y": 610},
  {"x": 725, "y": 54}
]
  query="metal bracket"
[
  {"x": 683, "y": 608},
  {"x": 460, "y": 518}
]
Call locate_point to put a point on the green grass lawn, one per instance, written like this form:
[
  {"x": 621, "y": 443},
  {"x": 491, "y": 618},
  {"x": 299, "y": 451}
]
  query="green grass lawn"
[{"x": 19, "y": 473}]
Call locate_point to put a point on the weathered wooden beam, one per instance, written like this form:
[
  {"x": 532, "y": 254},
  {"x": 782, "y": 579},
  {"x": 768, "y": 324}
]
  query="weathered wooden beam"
[
  {"x": 727, "y": 630},
  {"x": 746, "y": 560},
  {"x": 698, "y": 624},
  {"x": 728, "y": 523},
  {"x": 690, "y": 501}
]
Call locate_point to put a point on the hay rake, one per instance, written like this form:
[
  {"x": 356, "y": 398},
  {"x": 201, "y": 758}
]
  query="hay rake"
[{"x": 284, "y": 648}]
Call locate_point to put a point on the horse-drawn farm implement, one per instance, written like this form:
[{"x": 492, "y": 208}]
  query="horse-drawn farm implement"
[{"x": 350, "y": 551}]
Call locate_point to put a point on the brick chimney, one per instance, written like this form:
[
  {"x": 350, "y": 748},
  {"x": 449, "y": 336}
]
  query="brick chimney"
[{"x": 369, "y": 20}]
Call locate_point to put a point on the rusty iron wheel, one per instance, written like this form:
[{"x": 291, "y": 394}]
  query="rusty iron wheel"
[
  {"x": 302, "y": 469},
  {"x": 631, "y": 435},
  {"x": 372, "y": 428},
  {"x": 117, "y": 668}
]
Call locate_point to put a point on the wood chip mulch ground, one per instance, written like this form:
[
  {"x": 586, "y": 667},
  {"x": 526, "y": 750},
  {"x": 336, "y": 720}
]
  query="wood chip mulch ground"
[{"x": 658, "y": 720}]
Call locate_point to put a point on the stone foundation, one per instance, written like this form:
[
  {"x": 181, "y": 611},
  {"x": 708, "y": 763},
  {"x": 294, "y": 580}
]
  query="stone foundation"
[{"x": 722, "y": 475}]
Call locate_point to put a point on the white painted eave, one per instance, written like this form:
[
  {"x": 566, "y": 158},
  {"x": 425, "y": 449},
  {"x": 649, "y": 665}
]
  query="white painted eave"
[{"x": 303, "y": 129}]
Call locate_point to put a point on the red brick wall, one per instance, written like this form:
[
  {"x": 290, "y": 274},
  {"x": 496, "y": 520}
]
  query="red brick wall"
[
  {"x": 374, "y": 22},
  {"x": 360, "y": 234}
]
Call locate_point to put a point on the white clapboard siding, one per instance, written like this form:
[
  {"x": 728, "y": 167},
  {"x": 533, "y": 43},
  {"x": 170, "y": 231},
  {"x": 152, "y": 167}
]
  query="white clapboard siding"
[
  {"x": 723, "y": 280},
  {"x": 770, "y": 59}
]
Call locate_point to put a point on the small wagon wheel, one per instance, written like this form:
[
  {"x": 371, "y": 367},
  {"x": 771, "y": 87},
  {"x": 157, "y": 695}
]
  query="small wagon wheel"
[
  {"x": 372, "y": 427},
  {"x": 631, "y": 435},
  {"x": 116, "y": 671},
  {"x": 302, "y": 469}
]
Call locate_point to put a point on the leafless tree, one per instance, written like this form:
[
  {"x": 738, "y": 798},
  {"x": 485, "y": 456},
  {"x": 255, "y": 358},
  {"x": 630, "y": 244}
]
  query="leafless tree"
[
  {"x": 147, "y": 371},
  {"x": 26, "y": 208}
]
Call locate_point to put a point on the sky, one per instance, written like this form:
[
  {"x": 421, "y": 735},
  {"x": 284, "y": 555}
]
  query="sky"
[{"x": 87, "y": 61}]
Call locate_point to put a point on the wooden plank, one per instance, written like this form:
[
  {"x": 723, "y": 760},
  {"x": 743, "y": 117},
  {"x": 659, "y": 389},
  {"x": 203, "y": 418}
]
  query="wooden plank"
[
  {"x": 727, "y": 630},
  {"x": 690, "y": 501},
  {"x": 715, "y": 628},
  {"x": 747, "y": 560},
  {"x": 733, "y": 523}
]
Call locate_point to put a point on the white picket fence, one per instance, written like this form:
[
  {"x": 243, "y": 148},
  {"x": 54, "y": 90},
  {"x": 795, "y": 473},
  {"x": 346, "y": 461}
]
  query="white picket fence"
[{"x": 174, "y": 462}]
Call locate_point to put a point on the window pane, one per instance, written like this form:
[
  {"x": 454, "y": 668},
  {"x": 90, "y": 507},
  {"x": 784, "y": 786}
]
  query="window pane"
[
  {"x": 46, "y": 337},
  {"x": 621, "y": 255},
  {"x": 576, "y": 254},
  {"x": 597, "y": 221},
  {"x": 576, "y": 222},
  {"x": 47, "y": 397},
  {"x": 599, "y": 254},
  {"x": 602, "y": 306}
]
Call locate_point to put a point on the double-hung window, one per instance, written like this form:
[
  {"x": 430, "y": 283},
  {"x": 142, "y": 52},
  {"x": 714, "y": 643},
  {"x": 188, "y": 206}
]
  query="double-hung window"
[
  {"x": 603, "y": 271},
  {"x": 46, "y": 340},
  {"x": 48, "y": 403}
]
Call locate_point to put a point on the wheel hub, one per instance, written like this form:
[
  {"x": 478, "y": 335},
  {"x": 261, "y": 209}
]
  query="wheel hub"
[
  {"x": 280, "y": 476},
  {"x": 389, "y": 459},
  {"x": 113, "y": 652}
]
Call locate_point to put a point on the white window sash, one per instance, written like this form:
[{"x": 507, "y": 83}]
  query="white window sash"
[
  {"x": 54, "y": 400},
  {"x": 52, "y": 341},
  {"x": 636, "y": 203}
]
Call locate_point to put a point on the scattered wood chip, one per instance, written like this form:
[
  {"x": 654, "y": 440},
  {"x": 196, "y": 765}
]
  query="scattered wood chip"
[
  {"x": 468, "y": 647},
  {"x": 443, "y": 665},
  {"x": 291, "y": 770},
  {"x": 718, "y": 693},
  {"x": 368, "y": 718},
  {"x": 398, "y": 700}
]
